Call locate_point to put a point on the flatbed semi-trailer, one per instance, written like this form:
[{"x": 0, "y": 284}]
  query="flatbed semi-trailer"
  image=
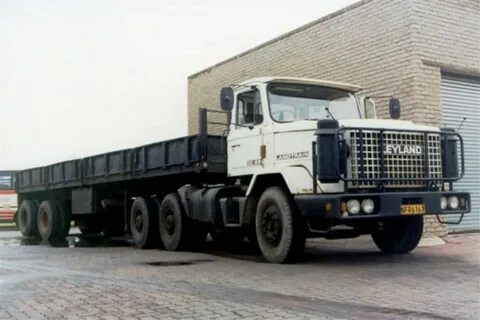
[
  {"x": 184, "y": 158},
  {"x": 299, "y": 158}
]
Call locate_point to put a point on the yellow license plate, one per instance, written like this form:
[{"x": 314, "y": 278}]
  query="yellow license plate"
[{"x": 409, "y": 209}]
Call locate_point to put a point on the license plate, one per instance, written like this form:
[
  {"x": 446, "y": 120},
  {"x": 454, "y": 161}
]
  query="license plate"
[{"x": 410, "y": 209}]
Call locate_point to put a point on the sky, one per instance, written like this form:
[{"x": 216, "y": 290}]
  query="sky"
[{"x": 84, "y": 77}]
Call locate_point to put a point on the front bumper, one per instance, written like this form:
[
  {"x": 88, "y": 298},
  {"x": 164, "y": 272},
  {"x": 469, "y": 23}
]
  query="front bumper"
[{"x": 387, "y": 204}]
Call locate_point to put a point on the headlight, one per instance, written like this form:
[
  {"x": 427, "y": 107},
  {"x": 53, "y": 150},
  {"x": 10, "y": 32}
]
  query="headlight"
[
  {"x": 443, "y": 203},
  {"x": 368, "y": 205},
  {"x": 353, "y": 206},
  {"x": 453, "y": 202}
]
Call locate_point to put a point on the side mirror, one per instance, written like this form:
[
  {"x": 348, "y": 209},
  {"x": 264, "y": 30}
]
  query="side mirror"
[
  {"x": 369, "y": 106},
  {"x": 394, "y": 108},
  {"x": 258, "y": 118},
  {"x": 226, "y": 99}
]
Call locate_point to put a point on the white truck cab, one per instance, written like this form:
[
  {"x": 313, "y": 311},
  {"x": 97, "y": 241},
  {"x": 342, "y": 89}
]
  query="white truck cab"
[
  {"x": 273, "y": 124},
  {"x": 311, "y": 154},
  {"x": 274, "y": 119}
]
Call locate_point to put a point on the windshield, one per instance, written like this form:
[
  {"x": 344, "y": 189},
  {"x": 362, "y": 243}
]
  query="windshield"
[{"x": 292, "y": 102}]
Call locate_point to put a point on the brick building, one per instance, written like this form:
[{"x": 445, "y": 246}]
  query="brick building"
[{"x": 426, "y": 53}]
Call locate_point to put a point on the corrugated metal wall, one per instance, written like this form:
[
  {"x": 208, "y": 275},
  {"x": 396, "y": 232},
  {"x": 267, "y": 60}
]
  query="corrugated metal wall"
[{"x": 461, "y": 98}]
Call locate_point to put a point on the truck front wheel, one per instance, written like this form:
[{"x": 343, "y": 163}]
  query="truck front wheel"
[
  {"x": 399, "y": 235},
  {"x": 144, "y": 223},
  {"x": 280, "y": 231}
]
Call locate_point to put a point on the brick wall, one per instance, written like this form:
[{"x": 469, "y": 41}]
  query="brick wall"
[
  {"x": 389, "y": 47},
  {"x": 364, "y": 45}
]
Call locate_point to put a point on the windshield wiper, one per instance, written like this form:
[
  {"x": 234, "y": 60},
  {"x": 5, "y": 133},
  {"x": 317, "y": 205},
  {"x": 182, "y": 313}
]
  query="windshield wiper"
[{"x": 331, "y": 115}]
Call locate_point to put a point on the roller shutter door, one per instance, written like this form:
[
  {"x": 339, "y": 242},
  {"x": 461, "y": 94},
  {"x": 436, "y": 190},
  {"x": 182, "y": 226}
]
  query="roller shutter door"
[{"x": 461, "y": 98}]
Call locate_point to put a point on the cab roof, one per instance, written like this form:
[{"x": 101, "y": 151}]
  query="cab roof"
[{"x": 325, "y": 83}]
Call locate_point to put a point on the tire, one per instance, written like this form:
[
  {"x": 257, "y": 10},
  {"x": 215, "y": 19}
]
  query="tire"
[
  {"x": 114, "y": 225},
  {"x": 144, "y": 223},
  {"x": 49, "y": 220},
  {"x": 27, "y": 218},
  {"x": 399, "y": 235},
  {"x": 89, "y": 226},
  {"x": 64, "y": 220},
  {"x": 280, "y": 230},
  {"x": 174, "y": 231}
]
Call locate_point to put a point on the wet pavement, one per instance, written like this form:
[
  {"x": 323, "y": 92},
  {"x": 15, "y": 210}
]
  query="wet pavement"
[{"x": 98, "y": 278}]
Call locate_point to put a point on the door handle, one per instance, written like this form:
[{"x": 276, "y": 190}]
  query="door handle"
[{"x": 235, "y": 146}]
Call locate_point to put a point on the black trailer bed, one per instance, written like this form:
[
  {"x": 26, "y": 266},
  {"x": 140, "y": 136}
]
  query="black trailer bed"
[{"x": 196, "y": 154}]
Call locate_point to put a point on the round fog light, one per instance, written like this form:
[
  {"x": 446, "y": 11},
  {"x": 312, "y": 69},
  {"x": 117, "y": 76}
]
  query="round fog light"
[
  {"x": 453, "y": 202},
  {"x": 443, "y": 203},
  {"x": 353, "y": 206},
  {"x": 368, "y": 205}
]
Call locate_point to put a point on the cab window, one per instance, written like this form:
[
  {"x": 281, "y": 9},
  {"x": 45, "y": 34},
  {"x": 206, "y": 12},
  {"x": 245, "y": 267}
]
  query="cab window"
[{"x": 249, "y": 108}]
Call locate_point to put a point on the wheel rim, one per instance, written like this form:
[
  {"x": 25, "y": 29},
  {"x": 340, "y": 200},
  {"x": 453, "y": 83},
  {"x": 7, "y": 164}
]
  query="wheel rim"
[
  {"x": 170, "y": 222},
  {"x": 44, "y": 219},
  {"x": 271, "y": 226},
  {"x": 138, "y": 221}
]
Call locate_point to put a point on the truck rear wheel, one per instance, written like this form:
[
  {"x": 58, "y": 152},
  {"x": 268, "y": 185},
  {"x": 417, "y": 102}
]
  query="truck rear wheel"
[
  {"x": 399, "y": 235},
  {"x": 144, "y": 223},
  {"x": 64, "y": 220},
  {"x": 27, "y": 218},
  {"x": 280, "y": 231},
  {"x": 49, "y": 220},
  {"x": 172, "y": 223}
]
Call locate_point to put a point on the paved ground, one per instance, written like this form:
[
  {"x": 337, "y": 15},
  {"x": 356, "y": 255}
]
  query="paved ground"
[{"x": 93, "y": 278}]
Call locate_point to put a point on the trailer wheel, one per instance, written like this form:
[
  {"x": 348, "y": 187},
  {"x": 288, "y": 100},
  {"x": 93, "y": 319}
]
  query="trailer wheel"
[
  {"x": 27, "y": 218},
  {"x": 172, "y": 223},
  {"x": 399, "y": 235},
  {"x": 144, "y": 223},
  {"x": 280, "y": 230},
  {"x": 49, "y": 220}
]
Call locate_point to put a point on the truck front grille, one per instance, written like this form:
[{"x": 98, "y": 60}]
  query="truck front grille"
[{"x": 403, "y": 158}]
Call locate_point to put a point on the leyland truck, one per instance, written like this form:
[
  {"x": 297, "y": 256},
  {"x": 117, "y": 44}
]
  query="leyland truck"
[{"x": 298, "y": 158}]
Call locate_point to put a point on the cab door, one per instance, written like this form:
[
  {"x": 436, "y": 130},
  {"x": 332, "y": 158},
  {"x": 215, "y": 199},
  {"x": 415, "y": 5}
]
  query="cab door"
[{"x": 245, "y": 135}]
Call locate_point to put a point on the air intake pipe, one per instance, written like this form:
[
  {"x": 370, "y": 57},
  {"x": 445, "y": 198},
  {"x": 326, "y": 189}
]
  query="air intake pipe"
[
  {"x": 449, "y": 153},
  {"x": 328, "y": 153}
]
